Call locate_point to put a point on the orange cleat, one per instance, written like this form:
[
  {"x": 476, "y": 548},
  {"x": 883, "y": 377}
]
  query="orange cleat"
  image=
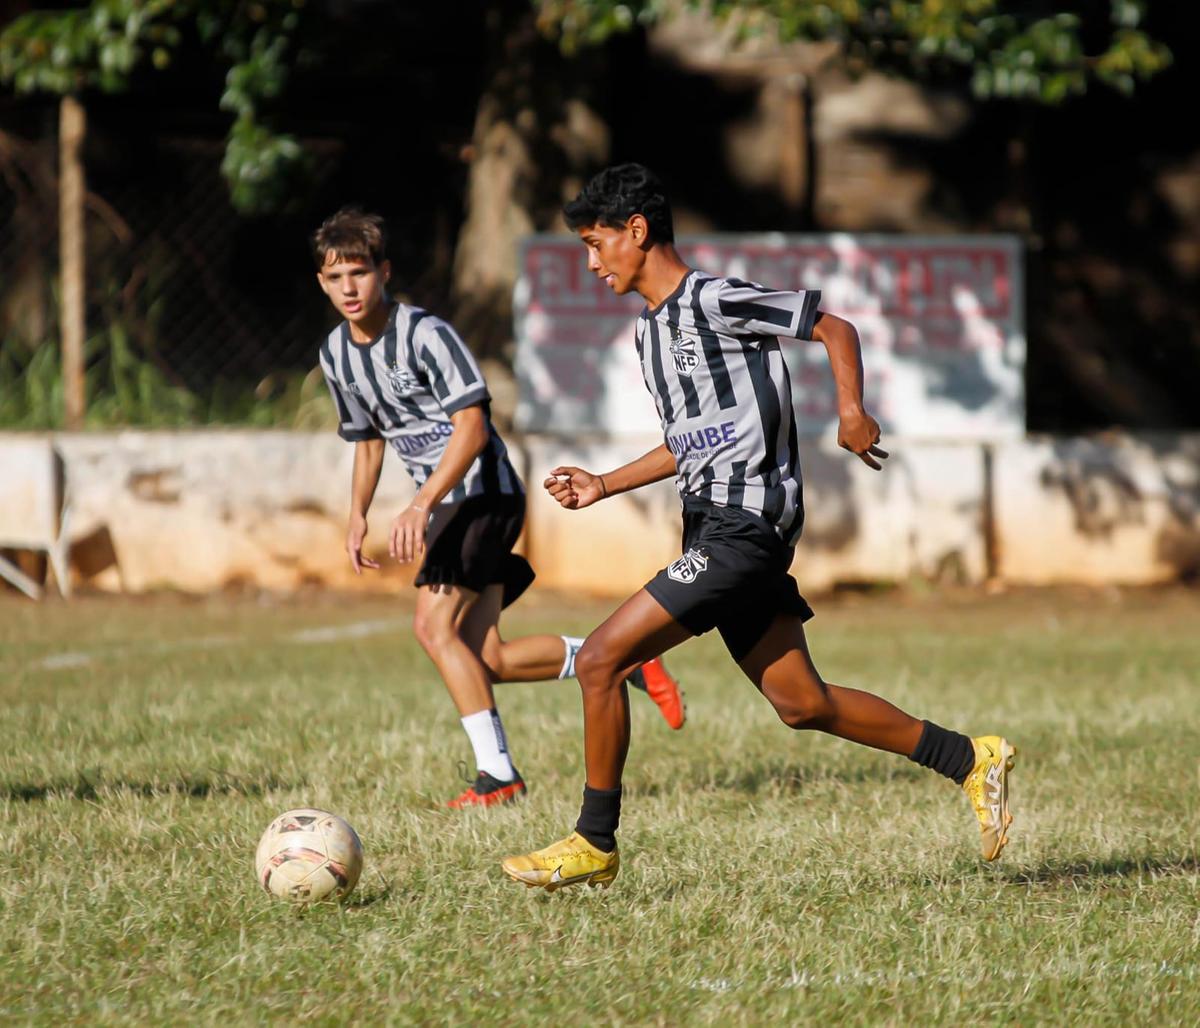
[{"x": 655, "y": 681}]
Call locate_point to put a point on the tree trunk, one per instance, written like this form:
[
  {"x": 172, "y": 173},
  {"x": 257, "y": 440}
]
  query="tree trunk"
[
  {"x": 797, "y": 184},
  {"x": 72, "y": 128},
  {"x": 534, "y": 136}
]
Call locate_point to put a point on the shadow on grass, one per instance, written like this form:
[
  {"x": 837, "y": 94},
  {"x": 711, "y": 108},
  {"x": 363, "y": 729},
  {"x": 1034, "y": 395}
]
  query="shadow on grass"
[
  {"x": 84, "y": 788},
  {"x": 776, "y": 777},
  {"x": 362, "y": 900},
  {"x": 1054, "y": 872}
]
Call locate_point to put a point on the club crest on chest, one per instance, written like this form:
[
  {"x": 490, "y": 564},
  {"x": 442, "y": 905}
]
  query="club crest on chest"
[
  {"x": 683, "y": 352},
  {"x": 402, "y": 380}
]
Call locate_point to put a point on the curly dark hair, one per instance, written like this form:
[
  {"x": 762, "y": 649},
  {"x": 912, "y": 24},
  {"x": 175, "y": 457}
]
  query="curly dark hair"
[
  {"x": 351, "y": 234},
  {"x": 616, "y": 194}
]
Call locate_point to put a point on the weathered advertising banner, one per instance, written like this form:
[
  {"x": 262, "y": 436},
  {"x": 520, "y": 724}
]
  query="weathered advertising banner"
[{"x": 941, "y": 322}]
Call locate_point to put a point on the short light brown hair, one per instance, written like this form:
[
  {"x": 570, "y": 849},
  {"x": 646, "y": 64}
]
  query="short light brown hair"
[{"x": 351, "y": 234}]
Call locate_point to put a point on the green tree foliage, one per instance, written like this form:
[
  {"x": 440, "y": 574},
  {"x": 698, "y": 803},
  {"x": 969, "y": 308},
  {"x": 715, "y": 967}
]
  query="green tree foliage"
[
  {"x": 102, "y": 44},
  {"x": 1033, "y": 50}
]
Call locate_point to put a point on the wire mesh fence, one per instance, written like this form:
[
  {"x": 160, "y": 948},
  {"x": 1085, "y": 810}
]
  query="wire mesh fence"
[{"x": 195, "y": 315}]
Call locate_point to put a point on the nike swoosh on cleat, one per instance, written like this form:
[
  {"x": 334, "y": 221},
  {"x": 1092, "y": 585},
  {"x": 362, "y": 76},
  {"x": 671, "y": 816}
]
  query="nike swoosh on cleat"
[{"x": 556, "y": 877}]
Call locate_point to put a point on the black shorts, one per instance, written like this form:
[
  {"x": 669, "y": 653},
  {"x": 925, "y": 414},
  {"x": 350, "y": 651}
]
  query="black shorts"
[
  {"x": 470, "y": 544},
  {"x": 733, "y": 576}
]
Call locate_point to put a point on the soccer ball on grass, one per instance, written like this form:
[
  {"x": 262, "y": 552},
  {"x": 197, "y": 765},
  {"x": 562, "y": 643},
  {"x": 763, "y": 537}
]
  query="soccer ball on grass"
[{"x": 307, "y": 855}]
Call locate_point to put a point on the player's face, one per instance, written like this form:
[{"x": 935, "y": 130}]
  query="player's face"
[
  {"x": 355, "y": 287},
  {"x": 615, "y": 255}
]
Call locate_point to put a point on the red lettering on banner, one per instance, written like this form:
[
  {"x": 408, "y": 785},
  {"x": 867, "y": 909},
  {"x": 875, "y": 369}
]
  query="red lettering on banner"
[
  {"x": 916, "y": 282},
  {"x": 927, "y": 311}
]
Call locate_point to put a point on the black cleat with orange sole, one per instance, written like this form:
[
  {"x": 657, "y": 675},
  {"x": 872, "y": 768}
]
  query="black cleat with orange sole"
[{"x": 487, "y": 791}]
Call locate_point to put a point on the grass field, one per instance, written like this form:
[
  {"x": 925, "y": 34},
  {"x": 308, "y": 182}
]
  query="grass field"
[{"x": 767, "y": 876}]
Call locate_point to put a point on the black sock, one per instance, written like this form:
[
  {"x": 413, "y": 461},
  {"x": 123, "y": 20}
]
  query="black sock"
[
  {"x": 948, "y": 753},
  {"x": 599, "y": 817}
]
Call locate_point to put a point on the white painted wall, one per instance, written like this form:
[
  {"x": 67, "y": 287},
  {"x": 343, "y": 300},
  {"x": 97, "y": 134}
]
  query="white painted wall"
[
  {"x": 1115, "y": 508},
  {"x": 206, "y": 509},
  {"x": 203, "y": 510}
]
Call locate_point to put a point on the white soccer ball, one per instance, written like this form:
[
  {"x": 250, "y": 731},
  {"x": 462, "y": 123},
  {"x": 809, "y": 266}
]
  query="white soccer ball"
[{"x": 307, "y": 855}]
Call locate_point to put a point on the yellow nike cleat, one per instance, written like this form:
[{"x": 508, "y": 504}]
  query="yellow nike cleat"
[
  {"x": 570, "y": 861},
  {"x": 987, "y": 789}
]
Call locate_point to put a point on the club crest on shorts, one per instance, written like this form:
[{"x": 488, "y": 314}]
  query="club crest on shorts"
[
  {"x": 688, "y": 567},
  {"x": 401, "y": 379},
  {"x": 683, "y": 352}
]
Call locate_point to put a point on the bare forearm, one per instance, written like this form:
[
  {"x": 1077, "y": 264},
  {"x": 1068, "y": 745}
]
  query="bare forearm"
[
  {"x": 858, "y": 432},
  {"x": 368, "y": 462},
  {"x": 845, "y": 358},
  {"x": 574, "y": 488},
  {"x": 654, "y": 466},
  {"x": 467, "y": 440}
]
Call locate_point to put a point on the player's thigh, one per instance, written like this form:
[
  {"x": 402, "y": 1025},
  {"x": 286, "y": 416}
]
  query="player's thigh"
[
  {"x": 635, "y": 632},
  {"x": 479, "y": 624},
  {"x": 780, "y": 664},
  {"x": 765, "y": 593}
]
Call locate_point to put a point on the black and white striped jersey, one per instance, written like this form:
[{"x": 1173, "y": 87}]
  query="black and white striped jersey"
[
  {"x": 403, "y": 387},
  {"x": 710, "y": 357}
]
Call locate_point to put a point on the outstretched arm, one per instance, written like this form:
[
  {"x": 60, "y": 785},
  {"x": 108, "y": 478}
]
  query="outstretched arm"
[
  {"x": 858, "y": 432},
  {"x": 575, "y": 488}
]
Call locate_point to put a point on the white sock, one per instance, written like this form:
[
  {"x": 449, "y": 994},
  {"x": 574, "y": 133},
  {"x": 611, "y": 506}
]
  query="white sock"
[
  {"x": 572, "y": 644},
  {"x": 486, "y": 733}
]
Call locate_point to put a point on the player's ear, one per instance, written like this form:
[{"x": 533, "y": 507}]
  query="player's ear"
[
  {"x": 385, "y": 271},
  {"x": 639, "y": 230},
  {"x": 322, "y": 283}
]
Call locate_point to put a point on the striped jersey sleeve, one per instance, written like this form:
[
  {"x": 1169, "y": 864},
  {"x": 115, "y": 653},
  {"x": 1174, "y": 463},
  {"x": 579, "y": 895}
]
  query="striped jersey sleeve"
[
  {"x": 454, "y": 377},
  {"x": 355, "y": 424},
  {"x": 747, "y": 309}
]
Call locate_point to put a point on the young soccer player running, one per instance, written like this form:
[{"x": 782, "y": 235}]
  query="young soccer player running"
[
  {"x": 401, "y": 375},
  {"x": 710, "y": 357}
]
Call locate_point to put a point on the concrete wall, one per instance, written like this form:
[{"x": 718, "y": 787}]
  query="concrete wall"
[
  {"x": 922, "y": 517},
  {"x": 1122, "y": 509},
  {"x": 210, "y": 509},
  {"x": 205, "y": 510}
]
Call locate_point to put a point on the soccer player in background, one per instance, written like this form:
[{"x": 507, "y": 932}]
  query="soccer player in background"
[
  {"x": 401, "y": 375},
  {"x": 710, "y": 357}
]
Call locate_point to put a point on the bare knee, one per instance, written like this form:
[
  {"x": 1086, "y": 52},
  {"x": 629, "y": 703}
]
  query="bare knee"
[
  {"x": 432, "y": 631},
  {"x": 492, "y": 655},
  {"x": 596, "y": 665},
  {"x": 808, "y": 707}
]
